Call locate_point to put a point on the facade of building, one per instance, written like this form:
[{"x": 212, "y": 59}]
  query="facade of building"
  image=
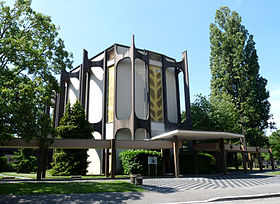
[{"x": 128, "y": 94}]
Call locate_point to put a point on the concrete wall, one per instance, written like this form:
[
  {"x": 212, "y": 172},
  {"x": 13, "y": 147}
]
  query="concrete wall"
[
  {"x": 171, "y": 95},
  {"x": 94, "y": 158},
  {"x": 124, "y": 103},
  {"x": 95, "y": 95},
  {"x": 141, "y": 105},
  {"x": 73, "y": 89}
]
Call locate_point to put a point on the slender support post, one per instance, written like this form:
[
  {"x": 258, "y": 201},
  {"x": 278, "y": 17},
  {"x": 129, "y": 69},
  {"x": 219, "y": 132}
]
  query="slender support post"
[
  {"x": 40, "y": 164},
  {"x": 223, "y": 155},
  {"x": 163, "y": 153},
  {"x": 113, "y": 158},
  {"x": 218, "y": 161},
  {"x": 271, "y": 159},
  {"x": 45, "y": 162},
  {"x": 250, "y": 161},
  {"x": 176, "y": 156},
  {"x": 106, "y": 163},
  {"x": 236, "y": 160},
  {"x": 195, "y": 162},
  {"x": 259, "y": 158},
  {"x": 243, "y": 152}
]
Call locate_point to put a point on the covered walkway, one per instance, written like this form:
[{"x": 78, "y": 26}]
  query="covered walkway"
[{"x": 169, "y": 140}]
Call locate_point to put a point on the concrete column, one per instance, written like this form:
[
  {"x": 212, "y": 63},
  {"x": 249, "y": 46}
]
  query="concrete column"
[
  {"x": 176, "y": 156},
  {"x": 243, "y": 152},
  {"x": 259, "y": 158},
  {"x": 236, "y": 160},
  {"x": 113, "y": 158},
  {"x": 106, "y": 163},
  {"x": 250, "y": 161},
  {"x": 271, "y": 159},
  {"x": 163, "y": 153},
  {"x": 223, "y": 155}
]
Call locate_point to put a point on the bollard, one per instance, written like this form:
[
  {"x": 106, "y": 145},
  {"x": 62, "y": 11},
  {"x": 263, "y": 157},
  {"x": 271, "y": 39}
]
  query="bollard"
[{"x": 132, "y": 178}]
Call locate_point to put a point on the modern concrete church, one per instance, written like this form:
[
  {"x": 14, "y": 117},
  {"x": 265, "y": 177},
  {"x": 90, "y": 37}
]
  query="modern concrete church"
[{"x": 128, "y": 94}]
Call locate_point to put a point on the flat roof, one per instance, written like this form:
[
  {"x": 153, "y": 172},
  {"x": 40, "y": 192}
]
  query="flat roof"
[{"x": 197, "y": 135}]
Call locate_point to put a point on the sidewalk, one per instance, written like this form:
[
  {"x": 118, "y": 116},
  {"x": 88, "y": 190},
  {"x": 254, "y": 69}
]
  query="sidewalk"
[{"x": 171, "y": 190}]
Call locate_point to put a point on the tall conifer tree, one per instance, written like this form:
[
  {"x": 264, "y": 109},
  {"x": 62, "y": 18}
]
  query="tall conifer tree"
[
  {"x": 235, "y": 73},
  {"x": 73, "y": 124}
]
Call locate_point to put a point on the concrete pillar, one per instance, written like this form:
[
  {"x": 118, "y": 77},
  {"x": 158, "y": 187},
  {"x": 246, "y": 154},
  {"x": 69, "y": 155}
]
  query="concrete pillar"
[
  {"x": 243, "y": 152},
  {"x": 163, "y": 153},
  {"x": 223, "y": 155},
  {"x": 271, "y": 159},
  {"x": 259, "y": 158},
  {"x": 195, "y": 160},
  {"x": 236, "y": 160},
  {"x": 113, "y": 158},
  {"x": 250, "y": 161},
  {"x": 106, "y": 172},
  {"x": 176, "y": 156}
]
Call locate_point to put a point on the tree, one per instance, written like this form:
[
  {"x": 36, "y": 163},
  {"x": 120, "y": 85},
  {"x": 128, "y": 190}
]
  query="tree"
[
  {"x": 25, "y": 161},
  {"x": 215, "y": 115},
  {"x": 274, "y": 141},
  {"x": 30, "y": 55},
  {"x": 235, "y": 75},
  {"x": 73, "y": 124}
]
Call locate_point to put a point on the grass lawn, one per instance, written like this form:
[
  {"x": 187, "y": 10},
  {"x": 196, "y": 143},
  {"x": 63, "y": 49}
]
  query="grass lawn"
[
  {"x": 275, "y": 172},
  {"x": 49, "y": 176},
  {"x": 61, "y": 188}
]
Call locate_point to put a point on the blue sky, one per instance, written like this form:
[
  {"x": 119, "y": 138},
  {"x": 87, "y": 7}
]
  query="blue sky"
[{"x": 168, "y": 27}]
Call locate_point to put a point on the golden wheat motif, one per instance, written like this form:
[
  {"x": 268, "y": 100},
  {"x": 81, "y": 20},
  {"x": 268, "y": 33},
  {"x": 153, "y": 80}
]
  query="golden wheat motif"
[
  {"x": 110, "y": 96},
  {"x": 156, "y": 109}
]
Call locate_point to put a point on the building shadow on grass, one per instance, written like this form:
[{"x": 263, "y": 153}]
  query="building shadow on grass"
[{"x": 72, "y": 198}]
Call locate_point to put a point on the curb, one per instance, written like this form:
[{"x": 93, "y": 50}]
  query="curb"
[{"x": 230, "y": 198}]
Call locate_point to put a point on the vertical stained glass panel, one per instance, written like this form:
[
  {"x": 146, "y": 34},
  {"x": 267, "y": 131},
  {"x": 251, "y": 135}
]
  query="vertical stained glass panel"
[
  {"x": 110, "y": 94},
  {"x": 156, "y": 109}
]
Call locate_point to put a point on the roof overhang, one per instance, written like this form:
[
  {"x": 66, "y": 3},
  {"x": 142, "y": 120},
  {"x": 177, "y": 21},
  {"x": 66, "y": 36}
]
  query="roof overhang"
[{"x": 196, "y": 135}]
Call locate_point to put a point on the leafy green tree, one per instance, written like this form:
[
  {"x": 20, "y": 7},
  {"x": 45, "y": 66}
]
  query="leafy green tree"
[
  {"x": 235, "y": 74},
  {"x": 73, "y": 124},
  {"x": 216, "y": 115},
  {"x": 274, "y": 141},
  {"x": 30, "y": 55}
]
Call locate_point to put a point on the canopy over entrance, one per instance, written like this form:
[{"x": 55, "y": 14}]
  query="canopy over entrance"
[{"x": 196, "y": 135}]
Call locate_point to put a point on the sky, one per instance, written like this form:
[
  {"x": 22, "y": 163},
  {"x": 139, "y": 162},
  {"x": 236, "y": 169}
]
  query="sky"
[{"x": 168, "y": 27}]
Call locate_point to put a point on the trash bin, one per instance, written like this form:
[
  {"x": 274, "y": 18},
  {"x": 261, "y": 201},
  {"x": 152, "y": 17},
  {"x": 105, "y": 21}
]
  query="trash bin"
[{"x": 139, "y": 180}]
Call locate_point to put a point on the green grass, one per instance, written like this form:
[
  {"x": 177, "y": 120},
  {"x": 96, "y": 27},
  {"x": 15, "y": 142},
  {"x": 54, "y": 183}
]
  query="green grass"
[
  {"x": 49, "y": 176},
  {"x": 63, "y": 188},
  {"x": 275, "y": 173}
]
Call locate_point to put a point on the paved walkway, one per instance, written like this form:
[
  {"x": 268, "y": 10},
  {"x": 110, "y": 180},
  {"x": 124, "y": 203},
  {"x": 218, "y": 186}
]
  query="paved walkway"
[
  {"x": 176, "y": 190},
  {"x": 210, "y": 182}
]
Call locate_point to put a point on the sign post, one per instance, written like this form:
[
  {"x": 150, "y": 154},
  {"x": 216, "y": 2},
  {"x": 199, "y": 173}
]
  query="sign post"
[{"x": 152, "y": 160}]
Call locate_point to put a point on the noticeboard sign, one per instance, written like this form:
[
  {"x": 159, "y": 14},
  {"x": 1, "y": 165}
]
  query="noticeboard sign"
[{"x": 152, "y": 160}]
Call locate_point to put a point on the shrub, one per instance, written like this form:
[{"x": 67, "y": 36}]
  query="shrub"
[
  {"x": 73, "y": 124},
  {"x": 69, "y": 162},
  {"x": 136, "y": 161},
  {"x": 25, "y": 162},
  {"x": 5, "y": 165}
]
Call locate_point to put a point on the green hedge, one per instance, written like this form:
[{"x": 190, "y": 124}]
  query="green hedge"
[
  {"x": 136, "y": 162},
  {"x": 206, "y": 163}
]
